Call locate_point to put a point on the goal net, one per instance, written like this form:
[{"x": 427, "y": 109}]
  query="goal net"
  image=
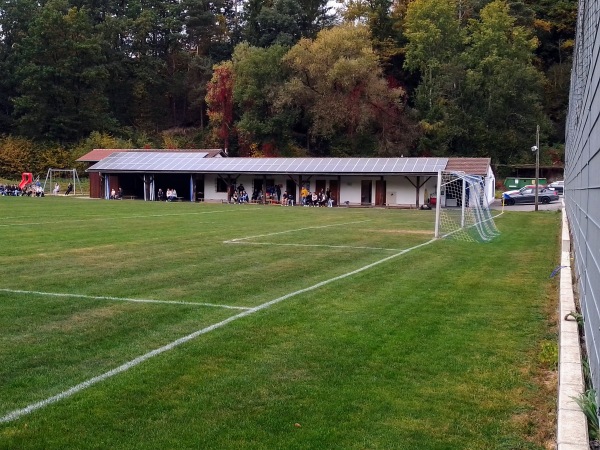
[{"x": 464, "y": 211}]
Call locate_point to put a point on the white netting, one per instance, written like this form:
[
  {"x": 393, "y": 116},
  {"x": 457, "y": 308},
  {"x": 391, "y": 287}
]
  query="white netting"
[{"x": 465, "y": 211}]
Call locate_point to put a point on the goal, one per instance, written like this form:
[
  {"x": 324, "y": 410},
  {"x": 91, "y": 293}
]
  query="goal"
[{"x": 463, "y": 210}]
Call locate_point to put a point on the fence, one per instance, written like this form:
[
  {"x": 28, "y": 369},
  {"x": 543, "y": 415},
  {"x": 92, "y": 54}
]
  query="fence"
[{"x": 582, "y": 174}]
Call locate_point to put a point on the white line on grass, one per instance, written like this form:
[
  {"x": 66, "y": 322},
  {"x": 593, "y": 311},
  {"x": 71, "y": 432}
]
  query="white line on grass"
[
  {"x": 316, "y": 245},
  {"x": 237, "y": 240},
  {"x": 111, "y": 218},
  {"x": 140, "y": 359},
  {"x": 120, "y": 299}
]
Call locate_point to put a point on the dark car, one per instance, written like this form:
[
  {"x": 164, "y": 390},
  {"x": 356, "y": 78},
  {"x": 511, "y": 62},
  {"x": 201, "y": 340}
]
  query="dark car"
[
  {"x": 558, "y": 186},
  {"x": 527, "y": 195}
]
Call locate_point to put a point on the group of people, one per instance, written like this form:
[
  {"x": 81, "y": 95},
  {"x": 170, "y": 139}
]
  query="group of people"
[
  {"x": 240, "y": 197},
  {"x": 33, "y": 190},
  {"x": 316, "y": 199},
  {"x": 10, "y": 190},
  {"x": 30, "y": 190},
  {"x": 169, "y": 196},
  {"x": 116, "y": 195},
  {"x": 56, "y": 189},
  {"x": 274, "y": 195}
]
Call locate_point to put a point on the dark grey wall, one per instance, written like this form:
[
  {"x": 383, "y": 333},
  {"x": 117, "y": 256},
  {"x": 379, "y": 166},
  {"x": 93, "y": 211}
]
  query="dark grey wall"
[{"x": 582, "y": 174}]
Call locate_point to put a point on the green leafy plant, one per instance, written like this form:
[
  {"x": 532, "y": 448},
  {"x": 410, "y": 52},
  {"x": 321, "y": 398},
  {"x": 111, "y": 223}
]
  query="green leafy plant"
[
  {"x": 549, "y": 354},
  {"x": 587, "y": 402},
  {"x": 577, "y": 316}
]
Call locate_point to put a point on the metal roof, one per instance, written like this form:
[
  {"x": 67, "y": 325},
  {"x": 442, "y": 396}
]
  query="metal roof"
[
  {"x": 157, "y": 162},
  {"x": 98, "y": 154}
]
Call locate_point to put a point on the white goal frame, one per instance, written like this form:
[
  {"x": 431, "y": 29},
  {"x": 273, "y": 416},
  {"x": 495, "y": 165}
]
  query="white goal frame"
[
  {"x": 469, "y": 217},
  {"x": 73, "y": 177}
]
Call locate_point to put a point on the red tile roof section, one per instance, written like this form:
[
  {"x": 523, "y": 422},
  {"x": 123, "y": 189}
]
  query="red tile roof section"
[{"x": 470, "y": 166}]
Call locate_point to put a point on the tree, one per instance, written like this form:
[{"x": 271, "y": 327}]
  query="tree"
[
  {"x": 503, "y": 91},
  {"x": 435, "y": 41},
  {"x": 284, "y": 22},
  {"x": 338, "y": 83},
  {"x": 61, "y": 76},
  {"x": 219, "y": 98},
  {"x": 435, "y": 38},
  {"x": 259, "y": 76}
]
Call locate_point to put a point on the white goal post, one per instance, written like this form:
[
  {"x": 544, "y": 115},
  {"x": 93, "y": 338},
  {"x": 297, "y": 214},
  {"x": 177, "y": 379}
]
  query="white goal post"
[
  {"x": 71, "y": 176},
  {"x": 462, "y": 208}
]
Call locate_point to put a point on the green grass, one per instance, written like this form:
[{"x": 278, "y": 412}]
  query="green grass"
[{"x": 433, "y": 349}]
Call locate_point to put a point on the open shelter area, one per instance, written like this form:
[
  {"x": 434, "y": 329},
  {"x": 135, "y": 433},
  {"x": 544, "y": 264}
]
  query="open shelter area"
[{"x": 141, "y": 325}]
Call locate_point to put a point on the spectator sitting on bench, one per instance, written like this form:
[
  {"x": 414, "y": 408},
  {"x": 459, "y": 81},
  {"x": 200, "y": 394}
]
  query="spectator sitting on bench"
[
  {"x": 160, "y": 195},
  {"x": 173, "y": 196}
]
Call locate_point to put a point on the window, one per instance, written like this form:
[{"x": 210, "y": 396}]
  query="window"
[{"x": 221, "y": 185}]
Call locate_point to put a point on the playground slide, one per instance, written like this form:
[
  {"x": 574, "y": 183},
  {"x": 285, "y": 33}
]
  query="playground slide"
[{"x": 26, "y": 178}]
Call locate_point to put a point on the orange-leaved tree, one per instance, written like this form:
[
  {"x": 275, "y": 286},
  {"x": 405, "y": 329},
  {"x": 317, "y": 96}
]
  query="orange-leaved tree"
[{"x": 219, "y": 98}]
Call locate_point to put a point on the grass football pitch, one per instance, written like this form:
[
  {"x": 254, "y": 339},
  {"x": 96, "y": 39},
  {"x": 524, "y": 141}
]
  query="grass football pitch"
[{"x": 138, "y": 325}]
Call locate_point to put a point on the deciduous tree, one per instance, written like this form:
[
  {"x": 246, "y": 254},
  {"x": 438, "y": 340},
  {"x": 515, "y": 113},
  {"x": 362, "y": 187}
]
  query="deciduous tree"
[
  {"x": 259, "y": 77},
  {"x": 219, "y": 98},
  {"x": 338, "y": 82}
]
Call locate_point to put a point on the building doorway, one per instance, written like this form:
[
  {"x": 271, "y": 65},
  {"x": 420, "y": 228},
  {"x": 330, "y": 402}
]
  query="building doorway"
[{"x": 366, "y": 189}]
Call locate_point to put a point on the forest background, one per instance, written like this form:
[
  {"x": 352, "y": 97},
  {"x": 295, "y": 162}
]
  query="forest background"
[{"x": 284, "y": 78}]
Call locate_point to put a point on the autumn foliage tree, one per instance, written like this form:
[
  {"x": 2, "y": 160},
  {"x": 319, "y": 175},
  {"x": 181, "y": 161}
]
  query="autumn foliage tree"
[
  {"x": 338, "y": 82},
  {"x": 219, "y": 99}
]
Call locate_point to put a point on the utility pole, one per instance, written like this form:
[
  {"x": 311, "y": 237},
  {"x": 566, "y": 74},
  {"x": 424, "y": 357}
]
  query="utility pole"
[{"x": 536, "y": 149}]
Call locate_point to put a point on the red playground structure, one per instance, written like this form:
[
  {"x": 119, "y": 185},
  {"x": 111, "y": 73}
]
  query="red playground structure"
[{"x": 26, "y": 178}]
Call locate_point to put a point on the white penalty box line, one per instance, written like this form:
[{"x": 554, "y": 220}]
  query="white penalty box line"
[
  {"x": 16, "y": 414},
  {"x": 245, "y": 240},
  {"x": 120, "y": 299}
]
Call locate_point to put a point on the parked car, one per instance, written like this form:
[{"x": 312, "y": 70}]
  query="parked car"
[
  {"x": 527, "y": 195},
  {"x": 558, "y": 186}
]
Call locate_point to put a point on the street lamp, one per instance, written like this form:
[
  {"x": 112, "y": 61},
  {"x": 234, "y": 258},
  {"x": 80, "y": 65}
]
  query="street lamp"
[{"x": 536, "y": 150}]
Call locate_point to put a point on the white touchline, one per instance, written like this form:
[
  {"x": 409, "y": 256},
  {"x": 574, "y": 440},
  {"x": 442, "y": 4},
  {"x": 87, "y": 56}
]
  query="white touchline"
[
  {"x": 121, "y": 299},
  {"x": 233, "y": 241},
  {"x": 140, "y": 359}
]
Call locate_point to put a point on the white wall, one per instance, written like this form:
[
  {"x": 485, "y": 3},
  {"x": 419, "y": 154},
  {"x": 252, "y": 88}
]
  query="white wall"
[{"x": 350, "y": 187}]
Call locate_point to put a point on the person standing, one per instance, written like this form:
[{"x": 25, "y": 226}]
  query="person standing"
[{"x": 303, "y": 194}]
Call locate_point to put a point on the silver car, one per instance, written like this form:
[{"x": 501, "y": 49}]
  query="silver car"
[{"x": 527, "y": 195}]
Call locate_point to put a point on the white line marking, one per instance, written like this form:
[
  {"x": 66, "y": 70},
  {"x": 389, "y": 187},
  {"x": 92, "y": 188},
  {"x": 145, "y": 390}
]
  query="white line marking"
[
  {"x": 112, "y": 218},
  {"x": 233, "y": 241},
  {"x": 315, "y": 245},
  {"x": 121, "y": 299},
  {"x": 13, "y": 415}
]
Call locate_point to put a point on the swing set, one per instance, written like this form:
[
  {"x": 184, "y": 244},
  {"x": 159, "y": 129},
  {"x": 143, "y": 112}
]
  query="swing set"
[{"x": 72, "y": 177}]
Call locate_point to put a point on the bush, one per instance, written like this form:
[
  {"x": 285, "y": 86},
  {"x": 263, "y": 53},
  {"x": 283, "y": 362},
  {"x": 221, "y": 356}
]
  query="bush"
[{"x": 17, "y": 155}]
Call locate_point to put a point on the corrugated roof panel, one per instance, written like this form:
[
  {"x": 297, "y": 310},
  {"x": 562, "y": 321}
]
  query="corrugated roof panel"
[{"x": 197, "y": 162}]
